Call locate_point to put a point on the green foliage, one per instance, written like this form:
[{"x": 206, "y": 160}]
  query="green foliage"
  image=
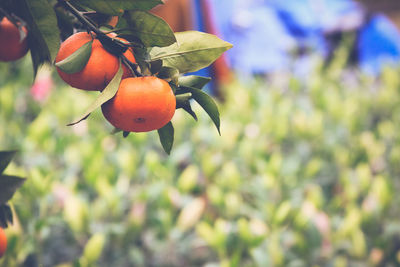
[{"x": 305, "y": 174}]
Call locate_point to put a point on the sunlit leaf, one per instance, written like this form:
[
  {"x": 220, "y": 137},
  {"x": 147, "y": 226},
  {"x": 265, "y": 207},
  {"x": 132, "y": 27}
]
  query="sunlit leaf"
[
  {"x": 108, "y": 93},
  {"x": 193, "y": 51},
  {"x": 77, "y": 60},
  {"x": 166, "y": 135}
]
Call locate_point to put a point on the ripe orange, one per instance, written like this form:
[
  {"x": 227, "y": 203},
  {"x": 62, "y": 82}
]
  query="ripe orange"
[
  {"x": 3, "y": 242},
  {"x": 141, "y": 104},
  {"x": 11, "y": 47},
  {"x": 100, "y": 68}
]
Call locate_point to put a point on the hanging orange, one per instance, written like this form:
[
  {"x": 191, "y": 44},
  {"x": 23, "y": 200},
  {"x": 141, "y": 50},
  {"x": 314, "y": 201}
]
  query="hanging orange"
[
  {"x": 3, "y": 242},
  {"x": 100, "y": 68},
  {"x": 11, "y": 45},
  {"x": 141, "y": 104}
]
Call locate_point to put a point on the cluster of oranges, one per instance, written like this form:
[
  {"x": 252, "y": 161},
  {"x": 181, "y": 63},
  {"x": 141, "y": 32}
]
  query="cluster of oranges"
[{"x": 141, "y": 104}]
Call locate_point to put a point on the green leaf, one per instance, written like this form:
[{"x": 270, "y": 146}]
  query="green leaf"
[
  {"x": 193, "y": 51},
  {"x": 166, "y": 135},
  {"x": 44, "y": 34},
  {"x": 185, "y": 105},
  {"x": 193, "y": 81},
  {"x": 108, "y": 93},
  {"x": 5, "y": 216},
  {"x": 207, "y": 103},
  {"x": 5, "y": 159},
  {"x": 148, "y": 28},
  {"x": 169, "y": 74},
  {"x": 8, "y": 186},
  {"x": 77, "y": 60},
  {"x": 113, "y": 7}
]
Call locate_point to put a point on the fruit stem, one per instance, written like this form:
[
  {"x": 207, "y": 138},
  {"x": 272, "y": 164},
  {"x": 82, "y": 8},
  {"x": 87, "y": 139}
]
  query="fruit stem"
[{"x": 132, "y": 66}]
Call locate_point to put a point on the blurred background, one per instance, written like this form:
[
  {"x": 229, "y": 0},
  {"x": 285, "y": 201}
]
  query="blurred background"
[{"x": 305, "y": 173}]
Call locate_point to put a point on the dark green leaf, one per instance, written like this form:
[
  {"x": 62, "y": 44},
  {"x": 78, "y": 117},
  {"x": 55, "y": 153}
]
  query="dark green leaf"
[
  {"x": 44, "y": 35},
  {"x": 169, "y": 74},
  {"x": 106, "y": 95},
  {"x": 113, "y": 7},
  {"x": 148, "y": 28},
  {"x": 5, "y": 159},
  {"x": 193, "y": 81},
  {"x": 207, "y": 103},
  {"x": 8, "y": 186},
  {"x": 193, "y": 51},
  {"x": 77, "y": 60},
  {"x": 5, "y": 215},
  {"x": 185, "y": 105},
  {"x": 155, "y": 66},
  {"x": 166, "y": 135}
]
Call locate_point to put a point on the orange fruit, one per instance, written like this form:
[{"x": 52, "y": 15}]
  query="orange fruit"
[
  {"x": 100, "y": 68},
  {"x": 141, "y": 104},
  {"x": 11, "y": 47},
  {"x": 3, "y": 242}
]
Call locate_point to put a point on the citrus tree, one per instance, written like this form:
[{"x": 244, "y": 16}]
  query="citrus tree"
[{"x": 132, "y": 57}]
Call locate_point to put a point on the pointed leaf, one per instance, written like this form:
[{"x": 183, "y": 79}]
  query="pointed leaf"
[
  {"x": 207, "y": 103},
  {"x": 193, "y": 51},
  {"x": 108, "y": 93},
  {"x": 166, "y": 135},
  {"x": 193, "y": 81},
  {"x": 114, "y": 7},
  {"x": 188, "y": 108},
  {"x": 77, "y": 60},
  {"x": 5, "y": 159},
  {"x": 44, "y": 34},
  {"x": 150, "y": 29},
  {"x": 8, "y": 186}
]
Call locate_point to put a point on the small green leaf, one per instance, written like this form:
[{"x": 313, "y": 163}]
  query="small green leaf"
[
  {"x": 5, "y": 159},
  {"x": 193, "y": 81},
  {"x": 166, "y": 135},
  {"x": 113, "y": 7},
  {"x": 77, "y": 60},
  {"x": 193, "y": 51},
  {"x": 148, "y": 28},
  {"x": 8, "y": 186},
  {"x": 108, "y": 93},
  {"x": 207, "y": 103}
]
